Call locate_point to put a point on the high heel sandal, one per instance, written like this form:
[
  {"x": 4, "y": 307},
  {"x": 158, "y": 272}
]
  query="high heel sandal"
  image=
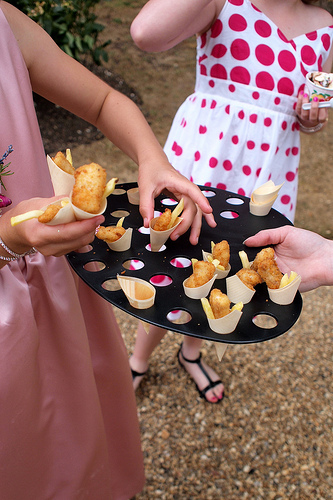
[{"x": 211, "y": 383}]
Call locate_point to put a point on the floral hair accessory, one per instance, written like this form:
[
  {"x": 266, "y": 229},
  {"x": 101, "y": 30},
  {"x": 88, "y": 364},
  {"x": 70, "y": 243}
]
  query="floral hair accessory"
[{"x": 4, "y": 200}]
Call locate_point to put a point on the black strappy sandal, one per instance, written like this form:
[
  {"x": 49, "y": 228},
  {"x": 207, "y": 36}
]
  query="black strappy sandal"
[
  {"x": 137, "y": 374},
  {"x": 211, "y": 384}
]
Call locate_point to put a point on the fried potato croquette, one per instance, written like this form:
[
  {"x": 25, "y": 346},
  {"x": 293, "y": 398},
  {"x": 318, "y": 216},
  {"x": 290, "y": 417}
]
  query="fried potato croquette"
[
  {"x": 220, "y": 303},
  {"x": 110, "y": 233},
  {"x": 88, "y": 190},
  {"x": 249, "y": 277},
  {"x": 202, "y": 272},
  {"x": 61, "y": 161},
  {"x": 221, "y": 252},
  {"x": 49, "y": 214},
  {"x": 267, "y": 268},
  {"x": 162, "y": 222}
]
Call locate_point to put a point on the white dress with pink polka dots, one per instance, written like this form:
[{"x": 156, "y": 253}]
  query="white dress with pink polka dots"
[{"x": 239, "y": 129}]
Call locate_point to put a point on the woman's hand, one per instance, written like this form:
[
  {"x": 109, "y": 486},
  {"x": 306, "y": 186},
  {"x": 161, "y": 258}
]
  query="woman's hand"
[
  {"x": 299, "y": 250},
  {"x": 155, "y": 179},
  {"x": 49, "y": 240},
  {"x": 313, "y": 119}
]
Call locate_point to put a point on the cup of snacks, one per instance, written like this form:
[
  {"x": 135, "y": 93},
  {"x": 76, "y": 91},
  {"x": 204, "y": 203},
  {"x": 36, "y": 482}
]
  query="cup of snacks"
[
  {"x": 220, "y": 252},
  {"x": 221, "y": 317},
  {"x": 320, "y": 85},
  {"x": 140, "y": 293},
  {"x": 287, "y": 290},
  {"x": 201, "y": 280},
  {"x": 59, "y": 212},
  {"x": 117, "y": 237},
  {"x": 263, "y": 198},
  {"x": 62, "y": 172},
  {"x": 161, "y": 227}
]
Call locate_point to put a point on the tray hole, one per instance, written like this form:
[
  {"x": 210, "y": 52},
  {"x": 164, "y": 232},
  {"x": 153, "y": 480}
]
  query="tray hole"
[
  {"x": 264, "y": 321},
  {"x": 148, "y": 247},
  {"x": 169, "y": 202},
  {"x": 179, "y": 317},
  {"x": 228, "y": 214},
  {"x": 94, "y": 266},
  {"x": 120, "y": 213},
  {"x": 144, "y": 230},
  {"x": 208, "y": 193},
  {"x": 235, "y": 201},
  {"x": 118, "y": 191},
  {"x": 85, "y": 249},
  {"x": 181, "y": 262},
  {"x": 133, "y": 264},
  {"x": 111, "y": 285},
  {"x": 161, "y": 280}
]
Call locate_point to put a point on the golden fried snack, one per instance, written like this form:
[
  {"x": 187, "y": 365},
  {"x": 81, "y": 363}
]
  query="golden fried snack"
[
  {"x": 270, "y": 273},
  {"x": 110, "y": 233},
  {"x": 61, "y": 161},
  {"x": 88, "y": 190},
  {"x": 162, "y": 222},
  {"x": 265, "y": 253},
  {"x": 49, "y": 214},
  {"x": 249, "y": 277},
  {"x": 219, "y": 302},
  {"x": 202, "y": 272},
  {"x": 221, "y": 252}
]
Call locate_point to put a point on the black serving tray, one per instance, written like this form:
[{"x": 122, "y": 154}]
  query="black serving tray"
[{"x": 234, "y": 224}]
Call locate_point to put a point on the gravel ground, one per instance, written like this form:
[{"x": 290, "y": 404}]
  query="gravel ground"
[{"x": 270, "y": 438}]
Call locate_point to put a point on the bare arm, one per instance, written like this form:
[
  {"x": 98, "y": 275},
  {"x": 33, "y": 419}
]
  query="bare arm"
[
  {"x": 299, "y": 250},
  {"x": 162, "y": 24}
]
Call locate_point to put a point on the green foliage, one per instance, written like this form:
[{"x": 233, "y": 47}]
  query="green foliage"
[{"x": 71, "y": 23}]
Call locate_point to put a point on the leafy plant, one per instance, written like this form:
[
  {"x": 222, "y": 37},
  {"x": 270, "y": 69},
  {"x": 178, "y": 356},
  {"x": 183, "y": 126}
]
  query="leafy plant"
[{"x": 71, "y": 23}]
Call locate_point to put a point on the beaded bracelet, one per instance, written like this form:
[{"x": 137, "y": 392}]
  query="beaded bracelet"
[
  {"x": 14, "y": 255},
  {"x": 309, "y": 130}
]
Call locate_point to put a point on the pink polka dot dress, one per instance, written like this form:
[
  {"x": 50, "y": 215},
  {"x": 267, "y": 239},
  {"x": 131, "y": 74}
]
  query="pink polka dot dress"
[{"x": 239, "y": 129}]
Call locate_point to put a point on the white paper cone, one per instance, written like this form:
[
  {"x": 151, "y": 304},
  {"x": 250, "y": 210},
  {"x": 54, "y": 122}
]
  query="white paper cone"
[
  {"x": 158, "y": 238},
  {"x": 62, "y": 181},
  {"x": 261, "y": 209},
  {"x": 123, "y": 243},
  {"x": 266, "y": 193},
  {"x": 140, "y": 293},
  {"x": 284, "y": 296},
  {"x": 199, "y": 292},
  {"x": 237, "y": 291},
  {"x": 220, "y": 349},
  {"x": 227, "y": 324},
  {"x": 81, "y": 214},
  {"x": 133, "y": 196},
  {"x": 65, "y": 214}
]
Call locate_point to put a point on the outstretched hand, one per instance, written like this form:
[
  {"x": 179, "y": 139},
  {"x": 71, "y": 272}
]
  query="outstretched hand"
[
  {"x": 164, "y": 178},
  {"x": 299, "y": 250}
]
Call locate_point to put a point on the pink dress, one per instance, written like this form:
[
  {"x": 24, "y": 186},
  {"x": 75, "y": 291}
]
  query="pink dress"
[
  {"x": 239, "y": 129},
  {"x": 68, "y": 420}
]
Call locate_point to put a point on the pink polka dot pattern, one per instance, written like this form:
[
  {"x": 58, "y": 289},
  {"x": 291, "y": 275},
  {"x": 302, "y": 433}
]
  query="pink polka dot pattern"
[{"x": 238, "y": 129}]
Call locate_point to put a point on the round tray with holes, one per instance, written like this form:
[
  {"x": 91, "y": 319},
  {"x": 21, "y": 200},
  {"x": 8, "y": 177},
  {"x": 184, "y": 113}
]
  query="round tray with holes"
[{"x": 98, "y": 266}]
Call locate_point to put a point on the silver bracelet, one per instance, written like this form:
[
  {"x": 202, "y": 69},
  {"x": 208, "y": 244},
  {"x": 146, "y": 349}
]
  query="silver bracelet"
[
  {"x": 309, "y": 130},
  {"x": 14, "y": 255}
]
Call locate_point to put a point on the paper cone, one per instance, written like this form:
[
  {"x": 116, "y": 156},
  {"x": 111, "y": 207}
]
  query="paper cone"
[
  {"x": 227, "y": 324},
  {"x": 220, "y": 273},
  {"x": 133, "y": 196},
  {"x": 220, "y": 349},
  {"x": 265, "y": 193},
  {"x": 123, "y": 243},
  {"x": 261, "y": 209},
  {"x": 81, "y": 214},
  {"x": 284, "y": 296},
  {"x": 140, "y": 293},
  {"x": 237, "y": 291},
  {"x": 62, "y": 181},
  {"x": 65, "y": 214},
  {"x": 199, "y": 292},
  {"x": 158, "y": 238}
]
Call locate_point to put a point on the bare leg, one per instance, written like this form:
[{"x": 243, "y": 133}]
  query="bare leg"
[
  {"x": 191, "y": 350},
  {"x": 144, "y": 346}
]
